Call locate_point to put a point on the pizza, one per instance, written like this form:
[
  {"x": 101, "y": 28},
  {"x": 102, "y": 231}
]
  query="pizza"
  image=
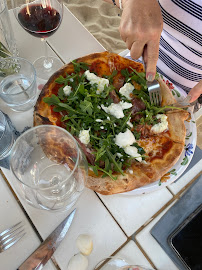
[{"x": 103, "y": 101}]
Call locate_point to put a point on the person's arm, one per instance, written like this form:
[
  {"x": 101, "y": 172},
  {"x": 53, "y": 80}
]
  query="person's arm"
[
  {"x": 141, "y": 26},
  {"x": 196, "y": 91}
]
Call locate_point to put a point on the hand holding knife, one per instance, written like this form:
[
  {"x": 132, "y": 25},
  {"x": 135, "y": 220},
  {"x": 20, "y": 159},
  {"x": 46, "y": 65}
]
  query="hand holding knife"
[{"x": 41, "y": 255}]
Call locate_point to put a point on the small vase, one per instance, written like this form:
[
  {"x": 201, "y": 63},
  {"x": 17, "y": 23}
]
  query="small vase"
[{"x": 7, "y": 41}]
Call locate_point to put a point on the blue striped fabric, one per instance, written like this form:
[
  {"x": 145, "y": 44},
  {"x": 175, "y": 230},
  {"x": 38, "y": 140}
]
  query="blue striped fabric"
[
  {"x": 180, "y": 52},
  {"x": 170, "y": 49},
  {"x": 181, "y": 27},
  {"x": 191, "y": 7}
]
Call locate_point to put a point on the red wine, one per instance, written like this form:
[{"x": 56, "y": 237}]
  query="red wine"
[{"x": 38, "y": 21}]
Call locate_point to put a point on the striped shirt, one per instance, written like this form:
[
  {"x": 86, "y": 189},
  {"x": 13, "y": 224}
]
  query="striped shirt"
[{"x": 180, "y": 50}]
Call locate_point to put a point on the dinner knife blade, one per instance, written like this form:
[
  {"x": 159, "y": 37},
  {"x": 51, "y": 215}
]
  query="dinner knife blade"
[{"x": 44, "y": 252}]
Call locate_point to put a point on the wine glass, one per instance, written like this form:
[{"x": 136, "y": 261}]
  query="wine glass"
[
  {"x": 41, "y": 18},
  {"x": 117, "y": 263},
  {"x": 50, "y": 168}
]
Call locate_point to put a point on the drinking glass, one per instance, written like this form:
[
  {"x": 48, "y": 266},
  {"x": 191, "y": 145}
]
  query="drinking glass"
[
  {"x": 6, "y": 137},
  {"x": 50, "y": 167},
  {"x": 117, "y": 263},
  {"x": 18, "y": 83},
  {"x": 7, "y": 41},
  {"x": 41, "y": 18}
]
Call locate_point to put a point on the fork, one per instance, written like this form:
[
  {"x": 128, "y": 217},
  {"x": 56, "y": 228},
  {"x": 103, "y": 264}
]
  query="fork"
[
  {"x": 154, "y": 92},
  {"x": 11, "y": 236}
]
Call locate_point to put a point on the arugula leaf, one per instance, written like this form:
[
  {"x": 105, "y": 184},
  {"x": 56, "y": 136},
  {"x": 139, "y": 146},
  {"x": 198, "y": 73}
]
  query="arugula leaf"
[
  {"x": 108, "y": 173},
  {"x": 69, "y": 108},
  {"x": 53, "y": 100},
  {"x": 95, "y": 170},
  {"x": 142, "y": 78},
  {"x": 79, "y": 66},
  {"x": 110, "y": 77},
  {"x": 100, "y": 153},
  {"x": 60, "y": 80},
  {"x": 139, "y": 148},
  {"x": 126, "y": 74},
  {"x": 61, "y": 94},
  {"x": 111, "y": 157},
  {"x": 86, "y": 106}
]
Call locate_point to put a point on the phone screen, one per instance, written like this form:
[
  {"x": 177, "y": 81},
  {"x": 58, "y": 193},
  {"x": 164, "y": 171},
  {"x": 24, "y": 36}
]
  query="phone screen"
[{"x": 187, "y": 241}]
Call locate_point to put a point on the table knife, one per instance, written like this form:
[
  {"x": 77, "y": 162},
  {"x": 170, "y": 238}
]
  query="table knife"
[{"x": 43, "y": 253}]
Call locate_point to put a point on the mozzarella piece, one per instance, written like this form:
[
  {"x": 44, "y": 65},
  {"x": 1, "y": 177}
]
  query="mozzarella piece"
[
  {"x": 116, "y": 109},
  {"x": 163, "y": 125},
  {"x": 124, "y": 139},
  {"x": 98, "y": 120},
  {"x": 84, "y": 136},
  {"x": 101, "y": 82},
  {"x": 126, "y": 90},
  {"x": 119, "y": 155},
  {"x": 84, "y": 243},
  {"x": 78, "y": 262},
  {"x": 133, "y": 152},
  {"x": 67, "y": 90}
]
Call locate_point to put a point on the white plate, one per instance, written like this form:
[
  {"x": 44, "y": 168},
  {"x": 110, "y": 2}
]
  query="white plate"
[{"x": 186, "y": 156}]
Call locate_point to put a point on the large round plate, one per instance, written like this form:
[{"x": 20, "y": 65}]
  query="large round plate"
[{"x": 186, "y": 156}]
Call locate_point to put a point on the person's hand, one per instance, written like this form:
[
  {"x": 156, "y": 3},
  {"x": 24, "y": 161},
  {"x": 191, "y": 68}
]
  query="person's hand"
[
  {"x": 196, "y": 91},
  {"x": 141, "y": 26}
]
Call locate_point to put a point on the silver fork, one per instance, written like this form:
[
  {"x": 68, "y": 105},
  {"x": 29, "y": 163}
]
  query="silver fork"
[
  {"x": 154, "y": 92},
  {"x": 11, "y": 236}
]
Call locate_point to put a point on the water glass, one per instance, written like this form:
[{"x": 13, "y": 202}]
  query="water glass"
[
  {"x": 50, "y": 167},
  {"x": 6, "y": 137},
  {"x": 18, "y": 83},
  {"x": 117, "y": 263}
]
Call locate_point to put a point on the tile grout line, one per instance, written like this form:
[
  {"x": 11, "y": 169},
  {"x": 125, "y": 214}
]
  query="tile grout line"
[
  {"x": 113, "y": 254},
  {"x": 144, "y": 253},
  {"x": 170, "y": 191},
  {"x": 175, "y": 197},
  {"x": 55, "y": 52},
  {"x": 111, "y": 215},
  {"x": 27, "y": 216},
  {"x": 128, "y": 239}
]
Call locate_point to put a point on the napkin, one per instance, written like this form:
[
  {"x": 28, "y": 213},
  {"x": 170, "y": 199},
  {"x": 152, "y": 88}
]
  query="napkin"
[{"x": 5, "y": 162}]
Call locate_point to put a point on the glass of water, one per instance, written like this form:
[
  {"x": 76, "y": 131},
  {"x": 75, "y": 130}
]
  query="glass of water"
[
  {"x": 117, "y": 263},
  {"x": 6, "y": 137},
  {"x": 18, "y": 83},
  {"x": 50, "y": 167}
]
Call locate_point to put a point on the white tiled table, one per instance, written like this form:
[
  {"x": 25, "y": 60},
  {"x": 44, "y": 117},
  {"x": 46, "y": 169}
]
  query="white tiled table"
[{"x": 111, "y": 220}]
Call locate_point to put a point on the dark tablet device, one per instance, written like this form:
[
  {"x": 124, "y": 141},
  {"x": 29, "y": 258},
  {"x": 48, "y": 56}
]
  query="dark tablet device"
[{"x": 186, "y": 241}]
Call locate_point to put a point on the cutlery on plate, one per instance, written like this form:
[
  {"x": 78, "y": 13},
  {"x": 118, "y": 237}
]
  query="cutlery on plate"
[
  {"x": 155, "y": 97},
  {"x": 44, "y": 252},
  {"x": 11, "y": 236},
  {"x": 154, "y": 92}
]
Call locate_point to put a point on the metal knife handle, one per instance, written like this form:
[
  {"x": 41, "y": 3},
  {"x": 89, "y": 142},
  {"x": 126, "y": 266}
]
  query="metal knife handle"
[
  {"x": 40, "y": 258},
  {"x": 41, "y": 255}
]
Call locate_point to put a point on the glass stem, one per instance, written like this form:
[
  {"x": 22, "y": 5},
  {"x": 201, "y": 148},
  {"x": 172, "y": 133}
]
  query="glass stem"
[{"x": 47, "y": 61}]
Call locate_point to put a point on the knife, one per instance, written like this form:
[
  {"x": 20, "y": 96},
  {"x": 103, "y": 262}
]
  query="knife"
[{"x": 43, "y": 253}]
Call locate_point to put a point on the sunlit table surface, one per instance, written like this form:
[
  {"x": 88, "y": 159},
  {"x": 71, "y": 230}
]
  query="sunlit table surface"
[{"x": 118, "y": 224}]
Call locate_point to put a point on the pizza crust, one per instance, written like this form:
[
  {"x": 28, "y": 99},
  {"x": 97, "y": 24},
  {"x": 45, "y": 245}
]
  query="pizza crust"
[
  {"x": 142, "y": 174},
  {"x": 166, "y": 93},
  {"x": 176, "y": 125}
]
